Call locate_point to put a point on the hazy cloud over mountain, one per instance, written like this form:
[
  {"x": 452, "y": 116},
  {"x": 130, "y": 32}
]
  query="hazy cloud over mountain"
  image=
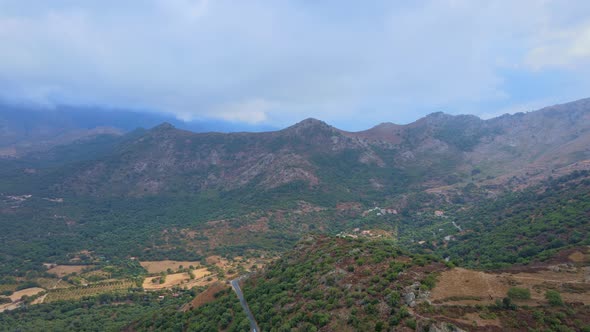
[{"x": 274, "y": 62}]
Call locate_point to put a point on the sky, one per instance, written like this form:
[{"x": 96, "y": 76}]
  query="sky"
[{"x": 353, "y": 64}]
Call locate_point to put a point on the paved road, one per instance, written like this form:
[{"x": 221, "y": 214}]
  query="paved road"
[{"x": 235, "y": 284}]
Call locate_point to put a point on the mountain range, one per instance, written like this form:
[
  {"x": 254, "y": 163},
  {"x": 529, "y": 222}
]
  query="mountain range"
[{"x": 437, "y": 153}]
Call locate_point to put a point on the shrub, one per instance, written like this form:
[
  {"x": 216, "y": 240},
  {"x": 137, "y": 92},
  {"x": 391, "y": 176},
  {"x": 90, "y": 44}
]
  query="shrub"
[
  {"x": 517, "y": 293},
  {"x": 554, "y": 298},
  {"x": 379, "y": 326},
  {"x": 506, "y": 303},
  {"x": 320, "y": 319},
  {"x": 429, "y": 282},
  {"x": 27, "y": 284},
  {"x": 411, "y": 323}
]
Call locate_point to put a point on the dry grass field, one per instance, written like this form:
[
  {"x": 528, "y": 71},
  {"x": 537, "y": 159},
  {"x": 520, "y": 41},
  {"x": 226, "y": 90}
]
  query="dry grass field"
[
  {"x": 171, "y": 280},
  {"x": 467, "y": 287},
  {"x": 203, "y": 282},
  {"x": 28, "y": 292},
  {"x": 63, "y": 270},
  {"x": 200, "y": 273},
  {"x": 8, "y": 306}
]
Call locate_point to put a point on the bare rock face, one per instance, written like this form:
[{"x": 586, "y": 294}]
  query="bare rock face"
[{"x": 410, "y": 299}]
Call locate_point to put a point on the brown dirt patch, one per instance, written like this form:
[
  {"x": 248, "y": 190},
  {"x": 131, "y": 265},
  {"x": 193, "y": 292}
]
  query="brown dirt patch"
[
  {"x": 63, "y": 270},
  {"x": 28, "y": 292},
  {"x": 163, "y": 266},
  {"x": 577, "y": 257},
  {"x": 213, "y": 259},
  {"x": 471, "y": 317},
  {"x": 206, "y": 297},
  {"x": 402, "y": 259},
  {"x": 171, "y": 281}
]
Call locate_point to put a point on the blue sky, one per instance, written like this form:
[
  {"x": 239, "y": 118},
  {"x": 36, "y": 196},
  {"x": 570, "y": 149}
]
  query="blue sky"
[{"x": 352, "y": 64}]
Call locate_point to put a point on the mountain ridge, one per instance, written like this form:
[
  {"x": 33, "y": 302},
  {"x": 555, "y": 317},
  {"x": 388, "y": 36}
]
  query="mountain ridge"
[{"x": 434, "y": 152}]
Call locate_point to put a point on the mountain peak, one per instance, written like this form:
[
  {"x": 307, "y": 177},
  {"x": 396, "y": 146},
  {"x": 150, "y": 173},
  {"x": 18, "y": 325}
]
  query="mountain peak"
[
  {"x": 441, "y": 118},
  {"x": 307, "y": 124},
  {"x": 310, "y": 122},
  {"x": 385, "y": 131},
  {"x": 385, "y": 126},
  {"x": 164, "y": 126}
]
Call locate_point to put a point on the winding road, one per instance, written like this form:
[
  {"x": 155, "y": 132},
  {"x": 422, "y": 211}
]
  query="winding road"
[{"x": 235, "y": 284}]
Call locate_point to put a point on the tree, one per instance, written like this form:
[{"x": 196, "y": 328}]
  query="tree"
[
  {"x": 506, "y": 303},
  {"x": 554, "y": 298}
]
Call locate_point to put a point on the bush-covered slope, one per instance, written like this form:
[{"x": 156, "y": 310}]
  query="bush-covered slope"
[
  {"x": 524, "y": 226},
  {"x": 327, "y": 283}
]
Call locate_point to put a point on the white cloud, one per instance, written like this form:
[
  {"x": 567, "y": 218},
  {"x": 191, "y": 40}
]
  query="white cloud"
[
  {"x": 250, "y": 111},
  {"x": 258, "y": 61},
  {"x": 569, "y": 48}
]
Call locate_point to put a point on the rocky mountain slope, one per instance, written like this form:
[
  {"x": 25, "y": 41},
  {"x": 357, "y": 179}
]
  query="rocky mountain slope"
[{"x": 437, "y": 153}]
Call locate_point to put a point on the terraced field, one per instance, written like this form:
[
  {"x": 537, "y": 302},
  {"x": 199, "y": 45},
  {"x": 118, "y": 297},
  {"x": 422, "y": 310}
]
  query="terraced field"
[{"x": 74, "y": 293}]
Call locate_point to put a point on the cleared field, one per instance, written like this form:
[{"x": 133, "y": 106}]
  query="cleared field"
[
  {"x": 200, "y": 273},
  {"x": 462, "y": 286},
  {"x": 154, "y": 267},
  {"x": 206, "y": 296},
  {"x": 201, "y": 282},
  {"x": 171, "y": 281},
  {"x": 63, "y": 270},
  {"x": 217, "y": 260},
  {"x": 74, "y": 293},
  {"x": 28, "y": 292},
  {"x": 97, "y": 273},
  {"x": 467, "y": 287},
  {"x": 51, "y": 283}
]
